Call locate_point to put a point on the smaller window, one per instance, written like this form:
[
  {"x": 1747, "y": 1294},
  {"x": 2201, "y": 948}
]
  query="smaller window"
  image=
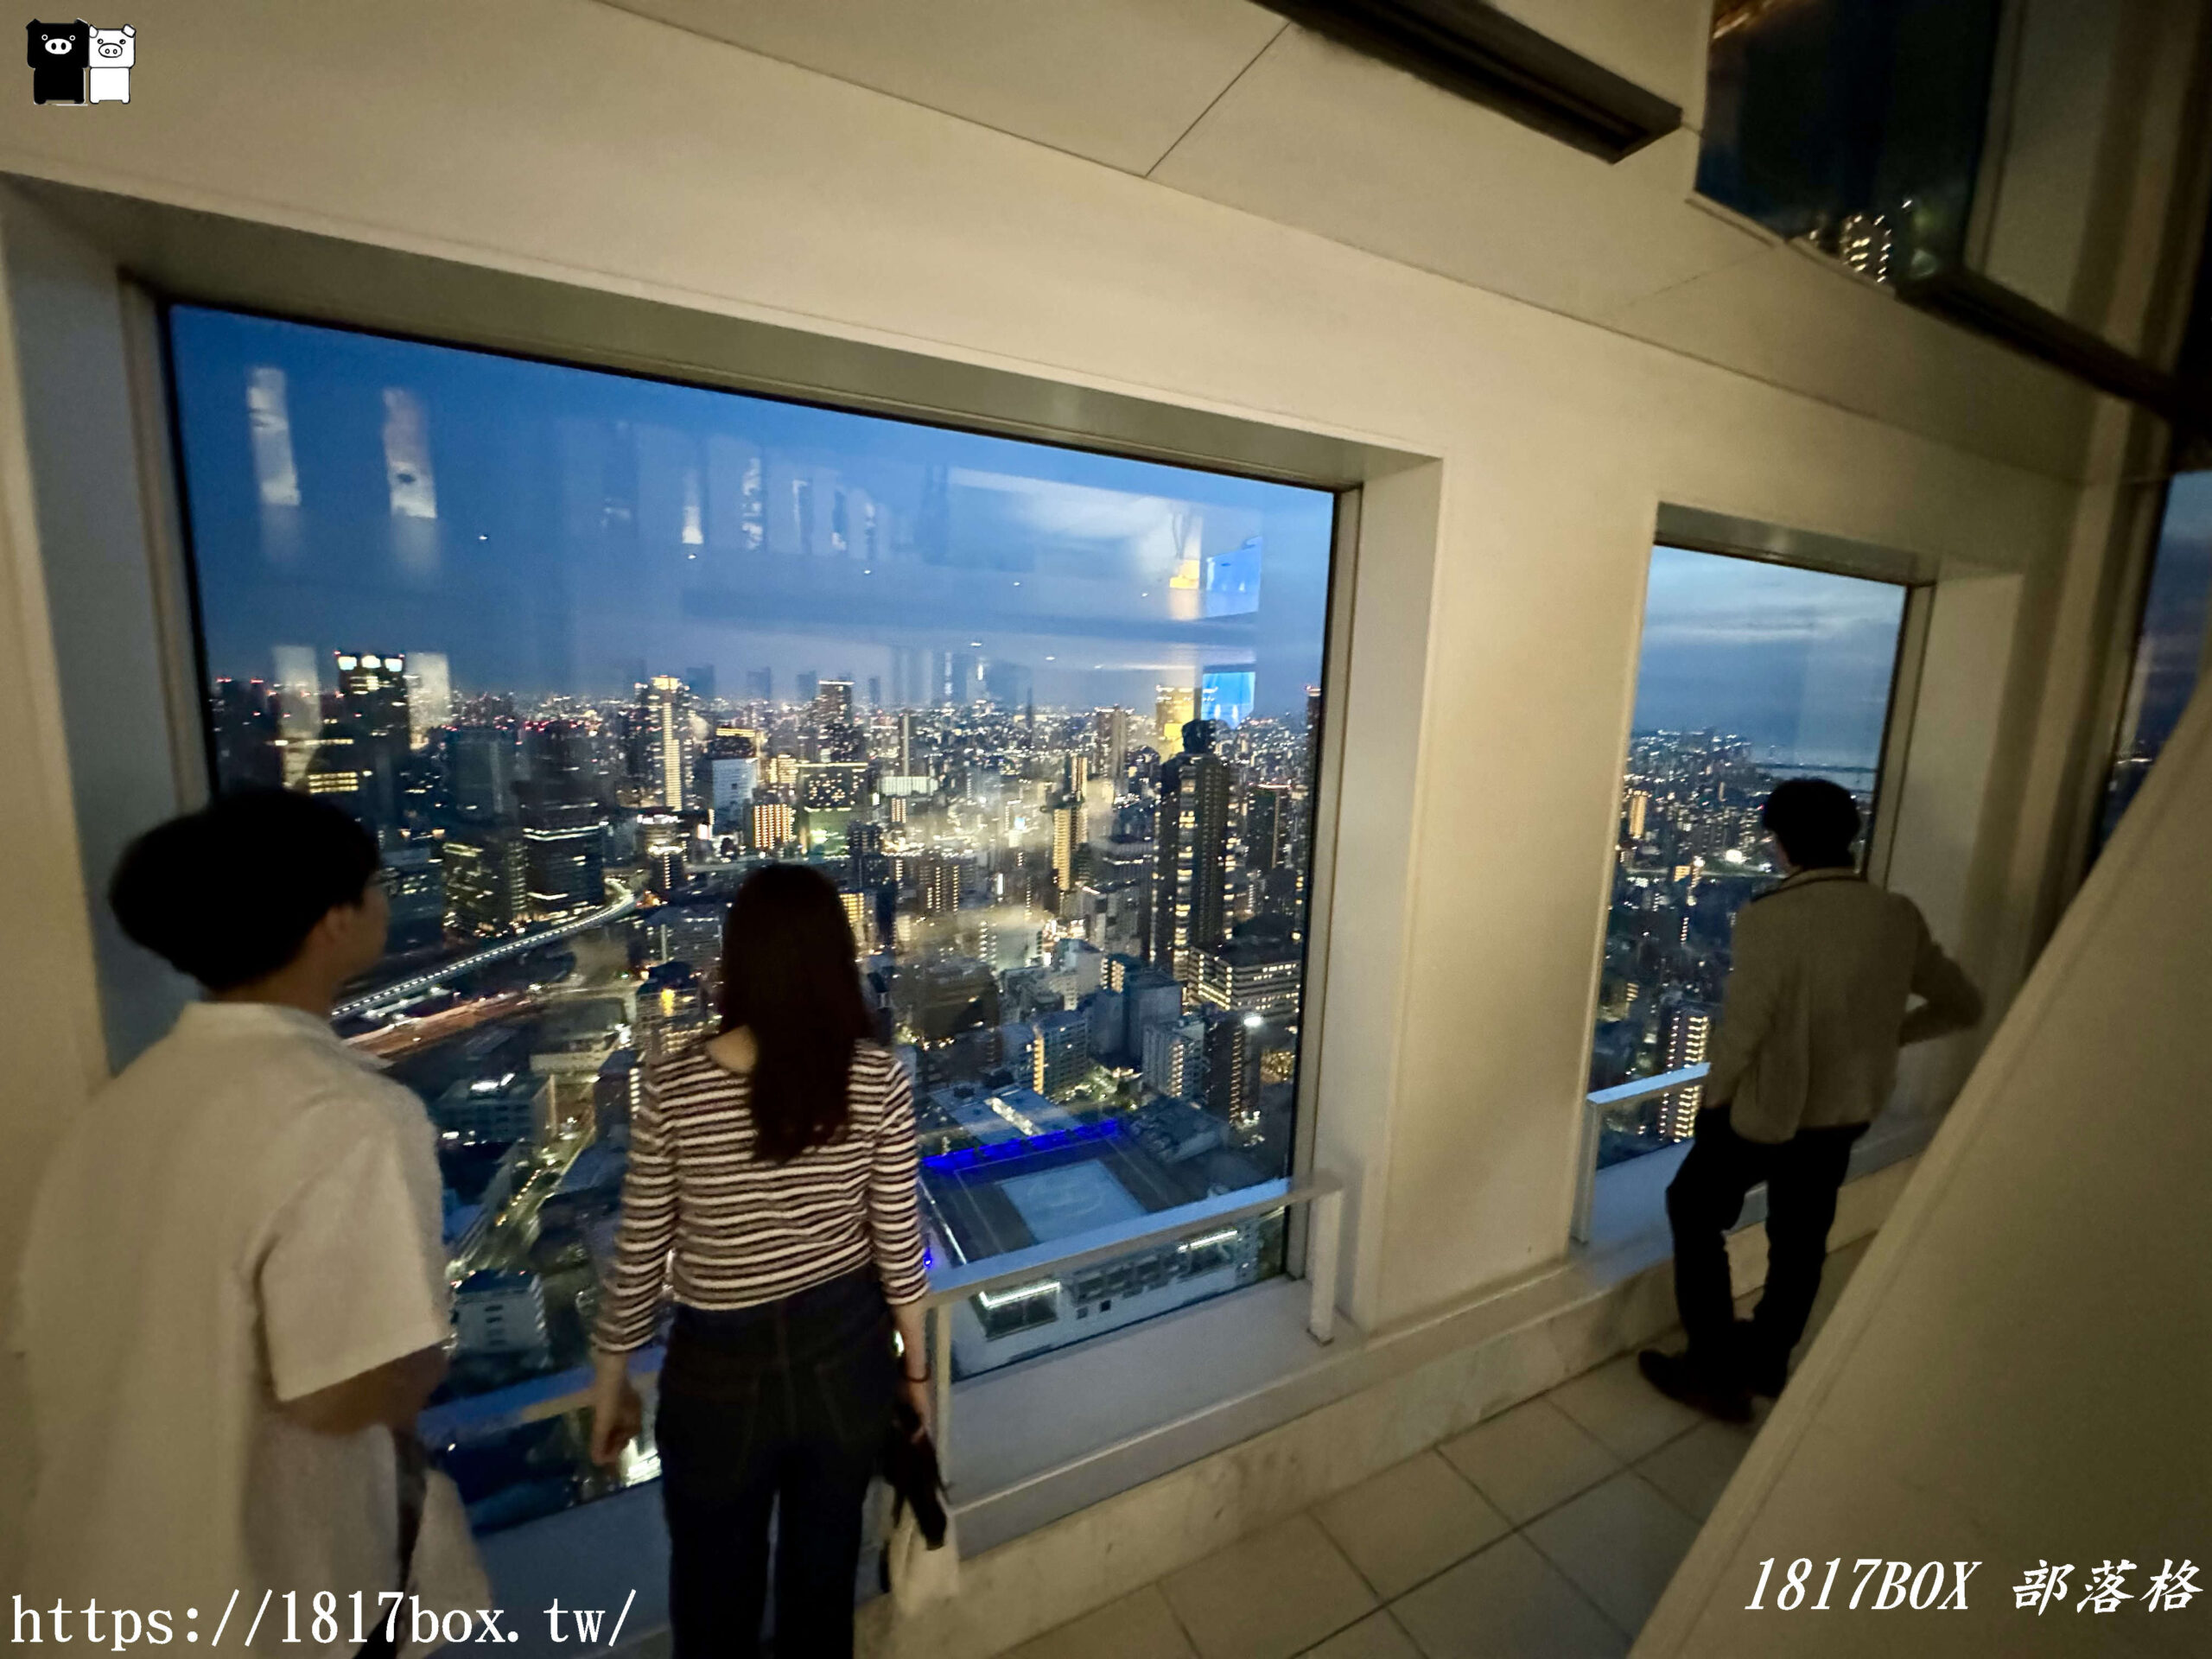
[
  {"x": 1751, "y": 673},
  {"x": 2169, "y": 648}
]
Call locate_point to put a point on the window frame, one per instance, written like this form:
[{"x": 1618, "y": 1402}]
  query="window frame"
[
  {"x": 187, "y": 673},
  {"x": 1695, "y": 531}
]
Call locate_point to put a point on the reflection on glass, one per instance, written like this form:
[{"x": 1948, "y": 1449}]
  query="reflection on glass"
[
  {"x": 1751, "y": 674},
  {"x": 582, "y": 649},
  {"x": 1857, "y": 127},
  {"x": 2169, "y": 651}
]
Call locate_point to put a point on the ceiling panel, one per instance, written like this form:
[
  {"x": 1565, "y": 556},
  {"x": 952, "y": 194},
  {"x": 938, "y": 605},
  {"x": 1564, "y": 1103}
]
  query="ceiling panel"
[
  {"x": 1790, "y": 318},
  {"x": 1116, "y": 80},
  {"x": 1317, "y": 136}
]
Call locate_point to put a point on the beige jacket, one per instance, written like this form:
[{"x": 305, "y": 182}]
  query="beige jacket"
[{"x": 1816, "y": 1007}]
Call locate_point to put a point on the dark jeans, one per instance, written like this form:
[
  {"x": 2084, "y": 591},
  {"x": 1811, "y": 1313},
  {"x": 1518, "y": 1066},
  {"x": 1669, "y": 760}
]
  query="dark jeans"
[
  {"x": 786, "y": 1406},
  {"x": 1803, "y": 1175}
]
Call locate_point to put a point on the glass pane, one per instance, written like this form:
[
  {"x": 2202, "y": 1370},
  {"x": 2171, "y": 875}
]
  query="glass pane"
[
  {"x": 1856, "y": 125},
  {"x": 2169, "y": 651},
  {"x": 1751, "y": 674},
  {"x": 584, "y": 649}
]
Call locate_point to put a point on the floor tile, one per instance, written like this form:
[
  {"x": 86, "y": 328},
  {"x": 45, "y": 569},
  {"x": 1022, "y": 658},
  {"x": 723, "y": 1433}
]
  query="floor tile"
[
  {"x": 1529, "y": 1460},
  {"x": 1409, "y": 1523},
  {"x": 1507, "y": 1603},
  {"x": 1630, "y": 1417},
  {"x": 1620, "y": 1542},
  {"x": 1694, "y": 1469},
  {"x": 1376, "y": 1637},
  {"x": 1268, "y": 1596},
  {"x": 1138, "y": 1623}
]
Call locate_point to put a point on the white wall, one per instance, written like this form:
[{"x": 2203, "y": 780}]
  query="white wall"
[
  {"x": 2018, "y": 1372},
  {"x": 604, "y": 149}
]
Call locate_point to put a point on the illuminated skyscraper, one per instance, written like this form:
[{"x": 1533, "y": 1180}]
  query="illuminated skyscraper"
[
  {"x": 1070, "y": 834},
  {"x": 1061, "y": 1059},
  {"x": 485, "y": 881},
  {"x": 1175, "y": 708},
  {"x": 1684, "y": 1029},
  {"x": 937, "y": 883},
  {"x": 372, "y": 718},
  {"x": 1190, "y": 896},
  {"x": 664, "y": 839},
  {"x": 666, "y": 707},
  {"x": 564, "y": 859},
  {"x": 771, "y": 825}
]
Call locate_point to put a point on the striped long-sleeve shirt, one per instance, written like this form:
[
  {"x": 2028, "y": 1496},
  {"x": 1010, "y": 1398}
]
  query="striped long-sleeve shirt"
[{"x": 706, "y": 1222}]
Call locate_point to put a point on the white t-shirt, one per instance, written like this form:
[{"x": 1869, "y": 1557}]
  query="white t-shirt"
[{"x": 247, "y": 1214}]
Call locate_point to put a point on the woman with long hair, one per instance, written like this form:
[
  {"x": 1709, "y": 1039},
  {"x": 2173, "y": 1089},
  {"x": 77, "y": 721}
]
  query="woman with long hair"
[{"x": 771, "y": 1195}]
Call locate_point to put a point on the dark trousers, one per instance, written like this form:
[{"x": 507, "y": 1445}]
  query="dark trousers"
[
  {"x": 1803, "y": 1175},
  {"x": 783, "y": 1406}
]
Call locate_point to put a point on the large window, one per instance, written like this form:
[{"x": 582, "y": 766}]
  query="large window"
[
  {"x": 583, "y": 649},
  {"x": 2171, "y": 649},
  {"x": 1751, "y": 673}
]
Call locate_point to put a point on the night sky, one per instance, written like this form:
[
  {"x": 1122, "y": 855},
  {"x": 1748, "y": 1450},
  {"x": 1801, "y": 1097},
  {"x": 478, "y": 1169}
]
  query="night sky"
[{"x": 555, "y": 529}]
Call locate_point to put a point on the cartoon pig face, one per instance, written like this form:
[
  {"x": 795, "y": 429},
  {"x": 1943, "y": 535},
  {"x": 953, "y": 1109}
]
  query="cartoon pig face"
[{"x": 113, "y": 49}]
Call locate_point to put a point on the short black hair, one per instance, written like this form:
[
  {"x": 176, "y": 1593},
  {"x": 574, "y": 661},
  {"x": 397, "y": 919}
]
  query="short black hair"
[
  {"x": 1814, "y": 820},
  {"x": 228, "y": 894}
]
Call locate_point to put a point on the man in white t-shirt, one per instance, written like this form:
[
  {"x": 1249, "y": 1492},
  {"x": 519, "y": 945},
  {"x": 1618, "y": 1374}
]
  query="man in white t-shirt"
[{"x": 233, "y": 1303}]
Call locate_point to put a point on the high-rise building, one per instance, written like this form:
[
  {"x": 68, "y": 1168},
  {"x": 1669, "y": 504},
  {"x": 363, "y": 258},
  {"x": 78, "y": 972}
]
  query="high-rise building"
[
  {"x": 1638, "y": 812},
  {"x": 773, "y": 824},
  {"x": 672, "y": 1010},
  {"x": 366, "y": 732},
  {"x": 664, "y": 839},
  {"x": 1061, "y": 1059},
  {"x": 486, "y": 888},
  {"x": 1070, "y": 835},
  {"x": 1112, "y": 731},
  {"x": 937, "y": 883},
  {"x": 1190, "y": 907},
  {"x": 1261, "y": 976},
  {"x": 833, "y": 703},
  {"x": 429, "y": 695},
  {"x": 372, "y": 693},
  {"x": 832, "y": 785},
  {"x": 1175, "y": 707},
  {"x": 1174, "y": 1059},
  {"x": 859, "y": 913},
  {"x": 563, "y": 760},
  {"x": 1685, "y": 1028},
  {"x": 665, "y": 705},
  {"x": 1232, "y": 1068},
  {"x": 564, "y": 860},
  {"x": 482, "y": 762},
  {"x": 246, "y": 722},
  {"x": 1269, "y": 815},
  {"x": 731, "y": 780},
  {"x": 414, "y": 883}
]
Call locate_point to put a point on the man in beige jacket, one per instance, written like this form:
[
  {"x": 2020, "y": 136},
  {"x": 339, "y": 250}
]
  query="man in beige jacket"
[{"x": 1815, "y": 1010}]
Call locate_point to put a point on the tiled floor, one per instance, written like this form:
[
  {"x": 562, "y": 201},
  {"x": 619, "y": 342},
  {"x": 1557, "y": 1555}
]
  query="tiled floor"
[{"x": 1548, "y": 1532}]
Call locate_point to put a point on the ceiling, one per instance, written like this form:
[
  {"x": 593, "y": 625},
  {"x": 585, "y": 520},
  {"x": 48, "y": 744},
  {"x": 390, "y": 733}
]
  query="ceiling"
[{"x": 1225, "y": 100}]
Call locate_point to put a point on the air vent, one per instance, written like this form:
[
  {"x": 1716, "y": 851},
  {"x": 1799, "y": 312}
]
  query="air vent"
[{"x": 1477, "y": 53}]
